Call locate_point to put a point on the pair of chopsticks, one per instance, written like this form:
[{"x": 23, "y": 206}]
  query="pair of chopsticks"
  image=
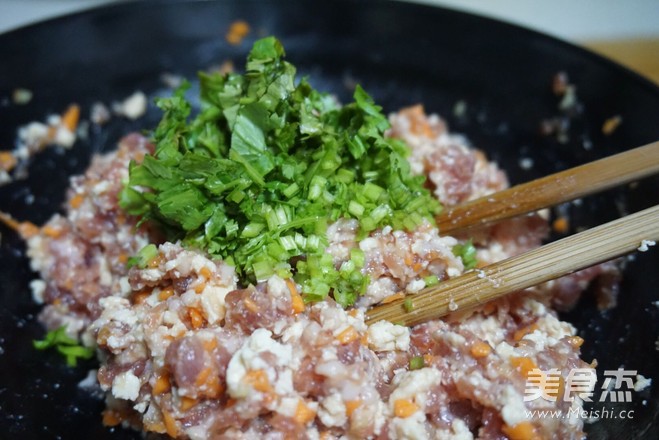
[{"x": 545, "y": 263}]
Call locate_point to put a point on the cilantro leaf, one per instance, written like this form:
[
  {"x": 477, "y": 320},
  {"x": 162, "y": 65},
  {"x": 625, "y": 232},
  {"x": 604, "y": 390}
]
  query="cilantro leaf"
[{"x": 257, "y": 173}]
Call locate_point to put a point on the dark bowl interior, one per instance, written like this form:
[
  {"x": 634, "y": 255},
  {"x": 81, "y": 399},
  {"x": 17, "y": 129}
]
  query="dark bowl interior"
[{"x": 402, "y": 54}]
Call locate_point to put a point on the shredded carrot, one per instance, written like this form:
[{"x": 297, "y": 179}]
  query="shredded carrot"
[
  {"x": 156, "y": 426},
  {"x": 418, "y": 120},
  {"x": 251, "y": 305},
  {"x": 51, "y": 231},
  {"x": 392, "y": 298},
  {"x": 404, "y": 408},
  {"x": 480, "y": 349},
  {"x": 206, "y": 273},
  {"x": 71, "y": 117},
  {"x": 352, "y": 405},
  {"x": 200, "y": 287},
  {"x": 122, "y": 258},
  {"x": 575, "y": 341},
  {"x": 170, "y": 424},
  {"x": 258, "y": 379},
  {"x": 521, "y": 431},
  {"x": 230, "y": 402},
  {"x": 7, "y": 161},
  {"x": 196, "y": 318},
  {"x": 297, "y": 303},
  {"x": 428, "y": 359},
  {"x": 24, "y": 229},
  {"x": 303, "y": 414},
  {"x": 348, "y": 335},
  {"x": 523, "y": 364},
  {"x": 611, "y": 124},
  {"x": 353, "y": 313},
  {"x": 237, "y": 31},
  {"x": 187, "y": 403},
  {"x": 520, "y": 333},
  {"x": 111, "y": 418},
  {"x": 76, "y": 201},
  {"x": 364, "y": 340},
  {"x": 561, "y": 225},
  {"x": 165, "y": 293},
  {"x": 162, "y": 384}
]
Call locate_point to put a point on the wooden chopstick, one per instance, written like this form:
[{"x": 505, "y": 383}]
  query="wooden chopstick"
[
  {"x": 554, "y": 189},
  {"x": 550, "y": 261}
]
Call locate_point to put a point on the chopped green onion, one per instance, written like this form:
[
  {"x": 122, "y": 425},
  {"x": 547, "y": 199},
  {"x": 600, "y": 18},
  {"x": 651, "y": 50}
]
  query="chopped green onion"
[
  {"x": 431, "y": 280},
  {"x": 408, "y": 305},
  {"x": 143, "y": 257},
  {"x": 255, "y": 176},
  {"x": 467, "y": 252},
  {"x": 417, "y": 362},
  {"x": 65, "y": 345}
]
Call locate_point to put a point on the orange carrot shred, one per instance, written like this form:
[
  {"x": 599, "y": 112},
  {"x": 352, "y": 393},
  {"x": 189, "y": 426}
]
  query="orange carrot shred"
[
  {"x": 196, "y": 318},
  {"x": 561, "y": 225},
  {"x": 7, "y": 161},
  {"x": 348, "y": 335},
  {"x": 258, "y": 379},
  {"x": 404, "y": 408},
  {"x": 303, "y": 414},
  {"x": 76, "y": 201},
  {"x": 162, "y": 384},
  {"x": 71, "y": 117},
  {"x": 480, "y": 349},
  {"x": 352, "y": 405},
  {"x": 521, "y": 431}
]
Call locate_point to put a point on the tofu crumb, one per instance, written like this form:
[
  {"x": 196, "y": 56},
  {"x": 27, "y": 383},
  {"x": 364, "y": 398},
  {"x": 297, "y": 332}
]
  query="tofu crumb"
[
  {"x": 641, "y": 383},
  {"x": 385, "y": 336},
  {"x": 526, "y": 163},
  {"x": 126, "y": 386},
  {"x": 132, "y": 107},
  {"x": 645, "y": 245}
]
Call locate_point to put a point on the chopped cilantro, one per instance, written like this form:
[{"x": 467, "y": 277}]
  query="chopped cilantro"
[
  {"x": 65, "y": 345},
  {"x": 467, "y": 252},
  {"x": 267, "y": 162}
]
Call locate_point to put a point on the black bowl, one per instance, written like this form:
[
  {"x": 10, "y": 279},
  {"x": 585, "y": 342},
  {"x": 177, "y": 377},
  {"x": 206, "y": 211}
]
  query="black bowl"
[{"x": 402, "y": 54}]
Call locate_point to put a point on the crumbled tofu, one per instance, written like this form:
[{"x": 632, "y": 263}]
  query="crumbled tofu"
[
  {"x": 248, "y": 357},
  {"x": 412, "y": 427},
  {"x": 38, "y": 287},
  {"x": 415, "y": 385},
  {"x": 645, "y": 245},
  {"x": 641, "y": 383},
  {"x": 385, "y": 336},
  {"x": 514, "y": 410},
  {"x": 132, "y": 107},
  {"x": 126, "y": 386},
  {"x": 332, "y": 410}
]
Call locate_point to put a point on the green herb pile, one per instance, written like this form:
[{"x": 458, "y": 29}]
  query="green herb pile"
[{"x": 256, "y": 176}]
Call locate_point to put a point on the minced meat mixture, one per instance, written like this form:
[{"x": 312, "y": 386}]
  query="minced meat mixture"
[{"x": 186, "y": 351}]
